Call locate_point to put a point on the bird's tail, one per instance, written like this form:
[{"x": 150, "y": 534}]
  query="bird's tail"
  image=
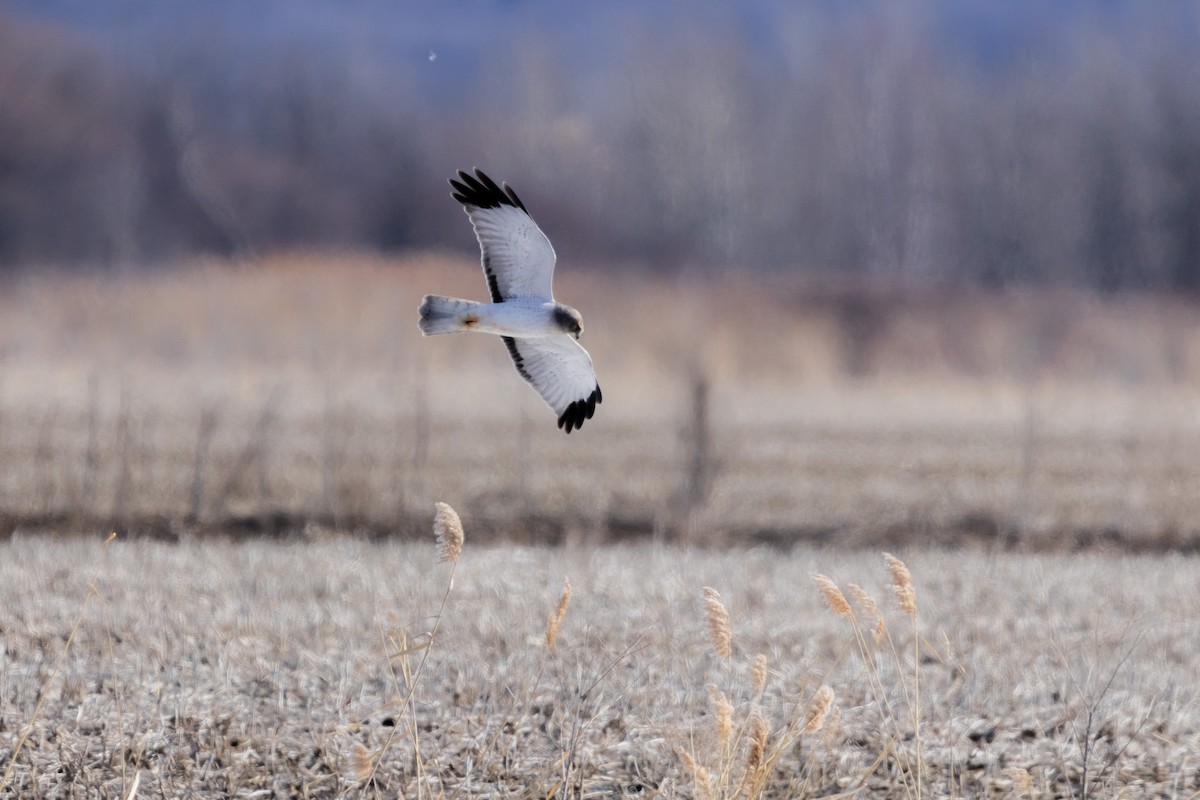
[{"x": 447, "y": 314}]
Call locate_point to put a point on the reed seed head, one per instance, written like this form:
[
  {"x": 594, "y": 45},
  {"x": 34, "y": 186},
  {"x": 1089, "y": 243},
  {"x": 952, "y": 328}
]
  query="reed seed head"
[
  {"x": 758, "y": 750},
  {"x": 833, "y": 595},
  {"x": 719, "y": 629},
  {"x": 902, "y": 584},
  {"x": 556, "y": 616},
  {"x": 818, "y": 710},
  {"x": 869, "y": 608},
  {"x": 448, "y": 529},
  {"x": 723, "y": 714},
  {"x": 758, "y": 673},
  {"x": 832, "y": 727},
  {"x": 360, "y": 763},
  {"x": 700, "y": 776}
]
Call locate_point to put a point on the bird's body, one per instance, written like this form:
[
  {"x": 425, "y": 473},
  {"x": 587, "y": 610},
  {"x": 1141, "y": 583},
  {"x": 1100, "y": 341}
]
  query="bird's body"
[
  {"x": 520, "y": 318},
  {"x": 540, "y": 334}
]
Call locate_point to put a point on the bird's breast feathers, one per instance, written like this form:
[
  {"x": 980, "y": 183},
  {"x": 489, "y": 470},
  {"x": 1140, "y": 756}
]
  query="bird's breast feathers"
[{"x": 520, "y": 319}]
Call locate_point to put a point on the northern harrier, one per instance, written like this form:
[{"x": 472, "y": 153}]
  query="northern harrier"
[{"x": 541, "y": 335}]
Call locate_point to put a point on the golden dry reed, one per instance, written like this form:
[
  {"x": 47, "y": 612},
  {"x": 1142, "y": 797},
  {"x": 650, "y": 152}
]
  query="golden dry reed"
[
  {"x": 719, "y": 629},
  {"x": 133, "y": 787},
  {"x": 902, "y": 584},
  {"x": 723, "y": 715},
  {"x": 703, "y": 781},
  {"x": 758, "y": 673},
  {"x": 449, "y": 531},
  {"x": 833, "y": 595},
  {"x": 361, "y": 763},
  {"x": 757, "y": 751},
  {"x": 818, "y": 710},
  {"x": 869, "y": 608},
  {"x": 556, "y": 616},
  {"x": 832, "y": 726}
]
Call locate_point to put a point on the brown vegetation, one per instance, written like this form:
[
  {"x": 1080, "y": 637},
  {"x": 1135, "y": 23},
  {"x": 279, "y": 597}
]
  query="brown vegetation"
[
  {"x": 343, "y": 668},
  {"x": 268, "y": 397},
  {"x": 294, "y": 396}
]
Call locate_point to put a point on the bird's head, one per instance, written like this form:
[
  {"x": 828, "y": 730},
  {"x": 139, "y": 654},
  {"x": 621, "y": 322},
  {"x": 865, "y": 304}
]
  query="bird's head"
[{"x": 568, "y": 320}]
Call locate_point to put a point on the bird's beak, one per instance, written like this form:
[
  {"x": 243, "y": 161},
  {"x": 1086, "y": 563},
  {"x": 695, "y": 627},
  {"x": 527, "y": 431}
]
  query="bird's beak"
[{"x": 578, "y": 335}]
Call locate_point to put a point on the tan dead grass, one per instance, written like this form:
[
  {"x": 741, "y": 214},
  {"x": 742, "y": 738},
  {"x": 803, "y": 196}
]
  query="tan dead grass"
[
  {"x": 227, "y": 397},
  {"x": 222, "y": 668},
  {"x": 719, "y": 631},
  {"x": 297, "y": 389},
  {"x": 557, "y": 616}
]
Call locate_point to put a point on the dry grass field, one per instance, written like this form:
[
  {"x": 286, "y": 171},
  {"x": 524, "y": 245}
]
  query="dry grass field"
[
  {"x": 346, "y": 668},
  {"x": 296, "y": 392},
  {"x": 268, "y": 441}
]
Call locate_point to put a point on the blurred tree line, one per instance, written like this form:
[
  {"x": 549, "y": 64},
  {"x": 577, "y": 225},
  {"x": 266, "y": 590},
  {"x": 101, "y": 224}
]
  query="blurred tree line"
[{"x": 880, "y": 140}]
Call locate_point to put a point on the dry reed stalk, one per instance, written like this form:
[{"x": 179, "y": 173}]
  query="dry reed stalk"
[
  {"x": 758, "y": 673},
  {"x": 869, "y": 608},
  {"x": 700, "y": 776},
  {"x": 556, "y": 616},
  {"x": 719, "y": 629},
  {"x": 755, "y": 755},
  {"x": 906, "y": 596},
  {"x": 833, "y": 595},
  {"x": 818, "y": 710},
  {"x": 133, "y": 787},
  {"x": 723, "y": 714},
  {"x": 448, "y": 529}
]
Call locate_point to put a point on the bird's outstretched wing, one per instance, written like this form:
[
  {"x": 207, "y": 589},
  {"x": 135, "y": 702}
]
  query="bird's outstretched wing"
[
  {"x": 518, "y": 260},
  {"x": 561, "y": 372}
]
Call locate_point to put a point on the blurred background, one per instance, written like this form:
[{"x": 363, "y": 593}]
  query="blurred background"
[
  {"x": 927, "y": 140},
  {"x": 924, "y": 270}
]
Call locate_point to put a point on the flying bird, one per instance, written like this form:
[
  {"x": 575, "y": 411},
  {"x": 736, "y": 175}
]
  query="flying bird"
[{"x": 541, "y": 335}]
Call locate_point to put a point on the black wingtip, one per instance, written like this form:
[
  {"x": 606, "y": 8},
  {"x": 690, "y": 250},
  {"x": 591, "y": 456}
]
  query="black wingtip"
[
  {"x": 482, "y": 192},
  {"x": 579, "y": 411}
]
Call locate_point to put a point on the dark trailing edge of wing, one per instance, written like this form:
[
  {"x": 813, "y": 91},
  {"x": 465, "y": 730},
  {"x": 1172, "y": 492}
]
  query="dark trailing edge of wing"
[
  {"x": 482, "y": 192},
  {"x": 577, "y": 412},
  {"x": 517, "y": 358}
]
